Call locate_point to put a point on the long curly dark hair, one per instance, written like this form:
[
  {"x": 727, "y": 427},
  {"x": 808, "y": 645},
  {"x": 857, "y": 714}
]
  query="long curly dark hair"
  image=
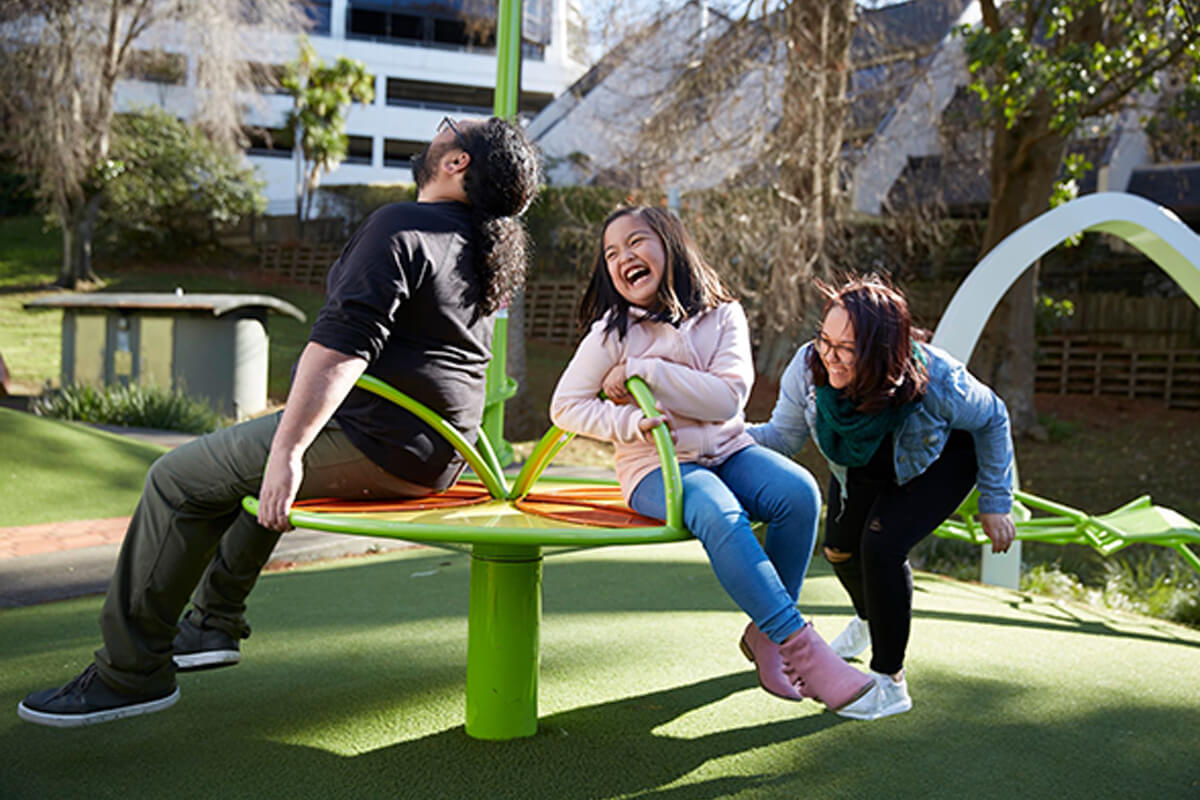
[
  {"x": 887, "y": 371},
  {"x": 689, "y": 285},
  {"x": 500, "y": 183}
]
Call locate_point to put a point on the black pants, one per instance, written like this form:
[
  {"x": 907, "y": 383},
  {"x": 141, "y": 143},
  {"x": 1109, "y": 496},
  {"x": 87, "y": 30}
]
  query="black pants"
[{"x": 879, "y": 523}]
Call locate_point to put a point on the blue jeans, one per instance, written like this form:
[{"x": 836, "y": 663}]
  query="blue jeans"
[{"x": 718, "y": 504}]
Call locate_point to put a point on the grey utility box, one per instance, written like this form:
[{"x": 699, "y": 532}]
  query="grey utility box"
[{"x": 209, "y": 345}]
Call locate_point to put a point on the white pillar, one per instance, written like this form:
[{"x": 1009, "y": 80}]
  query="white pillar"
[
  {"x": 1152, "y": 229},
  {"x": 337, "y": 19}
]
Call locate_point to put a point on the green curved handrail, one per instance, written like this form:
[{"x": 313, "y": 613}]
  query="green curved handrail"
[
  {"x": 556, "y": 438},
  {"x": 540, "y": 457},
  {"x": 485, "y": 469},
  {"x": 672, "y": 480}
]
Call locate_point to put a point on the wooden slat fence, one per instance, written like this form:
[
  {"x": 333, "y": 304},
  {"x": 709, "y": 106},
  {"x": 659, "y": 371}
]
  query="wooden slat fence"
[
  {"x": 550, "y": 310},
  {"x": 1073, "y": 365},
  {"x": 302, "y": 263}
]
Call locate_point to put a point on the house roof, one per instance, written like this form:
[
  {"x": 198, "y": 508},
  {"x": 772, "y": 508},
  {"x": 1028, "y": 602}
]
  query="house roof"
[
  {"x": 600, "y": 116},
  {"x": 215, "y": 304},
  {"x": 1176, "y": 186},
  {"x": 962, "y": 185}
]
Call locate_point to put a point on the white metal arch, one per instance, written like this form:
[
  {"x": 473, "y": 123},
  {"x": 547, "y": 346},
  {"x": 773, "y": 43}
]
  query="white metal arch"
[{"x": 1152, "y": 229}]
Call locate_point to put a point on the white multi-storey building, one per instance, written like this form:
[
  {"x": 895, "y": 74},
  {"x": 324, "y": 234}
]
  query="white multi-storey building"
[{"x": 430, "y": 58}]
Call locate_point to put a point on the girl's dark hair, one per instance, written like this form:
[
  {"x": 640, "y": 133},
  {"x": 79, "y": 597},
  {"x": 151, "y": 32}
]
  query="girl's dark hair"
[
  {"x": 689, "y": 285},
  {"x": 500, "y": 183},
  {"x": 887, "y": 371}
]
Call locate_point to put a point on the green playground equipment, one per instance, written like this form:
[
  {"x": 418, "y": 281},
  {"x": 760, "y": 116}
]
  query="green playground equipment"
[
  {"x": 507, "y": 546},
  {"x": 500, "y": 387},
  {"x": 1138, "y": 521},
  {"x": 1151, "y": 229}
]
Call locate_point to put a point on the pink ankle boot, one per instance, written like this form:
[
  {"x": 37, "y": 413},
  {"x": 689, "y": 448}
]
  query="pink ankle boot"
[
  {"x": 817, "y": 672},
  {"x": 765, "y": 655}
]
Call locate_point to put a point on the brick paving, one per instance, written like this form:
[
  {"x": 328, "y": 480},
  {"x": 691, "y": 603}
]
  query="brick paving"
[{"x": 53, "y": 537}]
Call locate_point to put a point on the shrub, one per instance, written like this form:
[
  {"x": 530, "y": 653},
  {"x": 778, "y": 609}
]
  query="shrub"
[
  {"x": 354, "y": 202},
  {"x": 172, "y": 185},
  {"x": 132, "y": 406},
  {"x": 1155, "y": 582}
]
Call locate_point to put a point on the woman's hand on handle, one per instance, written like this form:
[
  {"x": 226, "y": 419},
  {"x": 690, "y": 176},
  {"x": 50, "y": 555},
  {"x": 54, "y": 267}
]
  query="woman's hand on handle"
[{"x": 1000, "y": 529}]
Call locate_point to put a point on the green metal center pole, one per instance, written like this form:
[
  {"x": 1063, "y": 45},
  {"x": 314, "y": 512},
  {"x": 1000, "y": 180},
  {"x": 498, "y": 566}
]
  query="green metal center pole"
[
  {"x": 504, "y": 104},
  {"x": 503, "y": 651},
  {"x": 505, "y": 614}
]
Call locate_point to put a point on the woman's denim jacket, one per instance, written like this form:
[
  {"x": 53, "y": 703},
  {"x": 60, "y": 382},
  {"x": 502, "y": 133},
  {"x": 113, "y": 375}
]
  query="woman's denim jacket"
[{"x": 953, "y": 400}]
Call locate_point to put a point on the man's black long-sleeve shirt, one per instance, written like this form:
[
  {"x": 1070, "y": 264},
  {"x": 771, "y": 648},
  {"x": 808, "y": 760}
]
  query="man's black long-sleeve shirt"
[{"x": 404, "y": 295}]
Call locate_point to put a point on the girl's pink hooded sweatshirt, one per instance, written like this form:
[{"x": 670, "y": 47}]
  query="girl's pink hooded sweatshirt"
[{"x": 700, "y": 373}]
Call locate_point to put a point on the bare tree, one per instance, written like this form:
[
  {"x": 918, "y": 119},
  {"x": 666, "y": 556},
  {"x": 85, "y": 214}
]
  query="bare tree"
[
  {"x": 62, "y": 62},
  {"x": 759, "y": 106}
]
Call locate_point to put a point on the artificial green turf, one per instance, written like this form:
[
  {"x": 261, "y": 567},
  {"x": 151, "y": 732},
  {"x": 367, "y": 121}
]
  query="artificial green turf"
[
  {"x": 352, "y": 686},
  {"x": 51, "y": 471}
]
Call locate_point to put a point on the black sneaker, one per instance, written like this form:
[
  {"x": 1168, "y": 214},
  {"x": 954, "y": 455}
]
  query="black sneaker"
[
  {"x": 87, "y": 700},
  {"x": 200, "y": 647}
]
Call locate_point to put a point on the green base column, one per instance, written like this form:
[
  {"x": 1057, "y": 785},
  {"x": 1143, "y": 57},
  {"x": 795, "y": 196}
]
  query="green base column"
[{"x": 503, "y": 621}]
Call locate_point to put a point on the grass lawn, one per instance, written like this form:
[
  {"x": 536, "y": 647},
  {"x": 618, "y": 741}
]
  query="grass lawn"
[
  {"x": 352, "y": 687},
  {"x": 30, "y": 342},
  {"x": 54, "y": 471}
]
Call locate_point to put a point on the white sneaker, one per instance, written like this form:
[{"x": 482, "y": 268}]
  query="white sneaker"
[
  {"x": 894, "y": 697},
  {"x": 853, "y": 639},
  {"x": 885, "y": 698}
]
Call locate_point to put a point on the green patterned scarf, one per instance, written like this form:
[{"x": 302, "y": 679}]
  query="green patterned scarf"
[{"x": 849, "y": 437}]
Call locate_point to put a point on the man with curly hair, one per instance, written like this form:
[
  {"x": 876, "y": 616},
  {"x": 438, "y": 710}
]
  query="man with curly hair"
[{"x": 409, "y": 301}]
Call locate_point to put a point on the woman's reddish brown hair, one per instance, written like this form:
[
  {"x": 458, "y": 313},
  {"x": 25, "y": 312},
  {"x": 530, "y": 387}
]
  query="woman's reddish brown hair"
[{"x": 886, "y": 369}]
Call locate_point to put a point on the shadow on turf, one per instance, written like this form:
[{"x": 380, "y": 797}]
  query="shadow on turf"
[
  {"x": 1057, "y": 617},
  {"x": 604, "y": 750}
]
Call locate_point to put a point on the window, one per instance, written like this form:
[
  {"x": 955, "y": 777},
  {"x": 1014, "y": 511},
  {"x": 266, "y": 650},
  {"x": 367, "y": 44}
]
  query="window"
[
  {"x": 359, "y": 150},
  {"x": 267, "y": 78},
  {"x": 317, "y": 12},
  {"x": 407, "y": 26},
  {"x": 157, "y": 66},
  {"x": 476, "y": 100},
  {"x": 425, "y": 23},
  {"x": 399, "y": 152},
  {"x": 269, "y": 142},
  {"x": 368, "y": 23},
  {"x": 533, "y": 102},
  {"x": 439, "y": 96},
  {"x": 450, "y": 31}
]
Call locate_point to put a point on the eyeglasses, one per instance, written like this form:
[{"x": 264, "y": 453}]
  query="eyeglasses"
[
  {"x": 843, "y": 353},
  {"x": 449, "y": 123}
]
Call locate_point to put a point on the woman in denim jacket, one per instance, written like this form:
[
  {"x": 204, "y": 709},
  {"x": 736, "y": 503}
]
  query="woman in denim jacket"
[{"x": 907, "y": 432}]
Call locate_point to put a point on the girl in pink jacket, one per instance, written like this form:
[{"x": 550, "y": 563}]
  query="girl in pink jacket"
[{"x": 658, "y": 311}]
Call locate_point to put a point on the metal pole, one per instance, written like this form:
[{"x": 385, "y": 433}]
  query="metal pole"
[
  {"x": 505, "y": 611},
  {"x": 503, "y": 641},
  {"x": 504, "y": 104}
]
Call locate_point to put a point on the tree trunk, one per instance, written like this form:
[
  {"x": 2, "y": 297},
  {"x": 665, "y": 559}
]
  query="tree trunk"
[
  {"x": 78, "y": 226},
  {"x": 1024, "y": 165},
  {"x": 809, "y": 146},
  {"x": 809, "y": 141}
]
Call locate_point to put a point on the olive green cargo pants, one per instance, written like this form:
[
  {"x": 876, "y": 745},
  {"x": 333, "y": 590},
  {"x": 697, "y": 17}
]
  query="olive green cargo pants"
[{"x": 189, "y": 532}]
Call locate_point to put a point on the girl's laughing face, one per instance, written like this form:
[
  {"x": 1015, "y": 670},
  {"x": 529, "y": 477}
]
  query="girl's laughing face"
[{"x": 636, "y": 260}]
